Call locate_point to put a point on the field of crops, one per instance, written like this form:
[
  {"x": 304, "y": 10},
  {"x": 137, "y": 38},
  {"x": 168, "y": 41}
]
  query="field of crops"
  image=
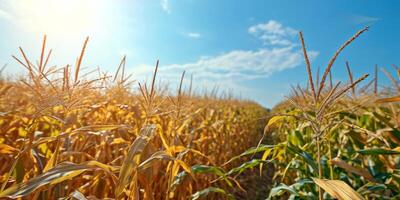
[{"x": 74, "y": 135}]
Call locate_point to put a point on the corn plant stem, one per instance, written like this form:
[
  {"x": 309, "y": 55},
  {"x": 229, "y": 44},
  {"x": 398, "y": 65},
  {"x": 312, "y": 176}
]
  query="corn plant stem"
[
  {"x": 330, "y": 158},
  {"x": 60, "y": 192},
  {"x": 319, "y": 166}
]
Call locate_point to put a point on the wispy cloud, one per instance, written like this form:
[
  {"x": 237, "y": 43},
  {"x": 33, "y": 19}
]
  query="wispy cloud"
[
  {"x": 165, "y": 6},
  {"x": 363, "y": 19},
  {"x": 278, "y": 52},
  {"x": 273, "y": 33},
  {"x": 193, "y": 35},
  {"x": 240, "y": 64}
]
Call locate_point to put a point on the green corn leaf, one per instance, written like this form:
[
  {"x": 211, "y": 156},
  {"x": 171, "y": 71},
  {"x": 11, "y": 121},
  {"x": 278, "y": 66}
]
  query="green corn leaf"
[
  {"x": 378, "y": 151},
  {"x": 306, "y": 156}
]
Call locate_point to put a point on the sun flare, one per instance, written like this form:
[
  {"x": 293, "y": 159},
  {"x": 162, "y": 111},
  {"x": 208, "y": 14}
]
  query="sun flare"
[{"x": 58, "y": 17}]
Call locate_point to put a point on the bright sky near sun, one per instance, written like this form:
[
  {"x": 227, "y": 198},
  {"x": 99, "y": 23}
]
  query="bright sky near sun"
[{"x": 248, "y": 47}]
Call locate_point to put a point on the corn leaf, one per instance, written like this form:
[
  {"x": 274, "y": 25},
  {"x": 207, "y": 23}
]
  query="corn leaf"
[
  {"x": 252, "y": 151},
  {"x": 159, "y": 155},
  {"x": 306, "y": 156},
  {"x": 358, "y": 171},
  {"x": 78, "y": 195},
  {"x": 338, "y": 189},
  {"x": 99, "y": 128},
  {"x": 272, "y": 121},
  {"x": 378, "y": 151},
  {"x": 389, "y": 100},
  {"x": 52, "y": 177},
  {"x": 132, "y": 160},
  {"x": 201, "y": 169},
  {"x": 6, "y": 149},
  {"x": 292, "y": 189},
  {"x": 279, "y": 190},
  {"x": 210, "y": 190},
  {"x": 246, "y": 165}
]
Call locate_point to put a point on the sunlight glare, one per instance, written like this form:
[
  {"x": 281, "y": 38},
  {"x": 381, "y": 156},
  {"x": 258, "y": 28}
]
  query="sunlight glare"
[{"x": 58, "y": 17}]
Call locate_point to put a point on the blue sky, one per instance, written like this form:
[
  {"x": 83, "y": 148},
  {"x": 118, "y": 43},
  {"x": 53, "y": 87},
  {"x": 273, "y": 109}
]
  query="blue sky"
[{"x": 250, "y": 48}]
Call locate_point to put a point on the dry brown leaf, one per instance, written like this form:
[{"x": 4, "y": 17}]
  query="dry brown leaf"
[{"x": 361, "y": 172}]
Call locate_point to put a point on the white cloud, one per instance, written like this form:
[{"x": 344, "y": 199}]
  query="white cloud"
[
  {"x": 273, "y": 33},
  {"x": 241, "y": 64},
  {"x": 363, "y": 19},
  {"x": 193, "y": 35},
  {"x": 278, "y": 52},
  {"x": 165, "y": 6}
]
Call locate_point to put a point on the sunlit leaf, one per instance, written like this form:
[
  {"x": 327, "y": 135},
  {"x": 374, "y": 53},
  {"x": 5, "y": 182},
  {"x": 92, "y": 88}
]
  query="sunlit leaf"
[
  {"x": 78, "y": 195},
  {"x": 252, "y": 151},
  {"x": 389, "y": 100},
  {"x": 159, "y": 155},
  {"x": 201, "y": 169},
  {"x": 53, "y": 176},
  {"x": 53, "y": 159},
  {"x": 338, "y": 189},
  {"x": 280, "y": 189},
  {"x": 247, "y": 165},
  {"x": 6, "y": 149},
  {"x": 273, "y": 121},
  {"x": 210, "y": 190},
  {"x": 264, "y": 157},
  {"x": 132, "y": 160}
]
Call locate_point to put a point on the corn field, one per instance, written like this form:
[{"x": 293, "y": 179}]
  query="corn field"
[{"x": 70, "y": 134}]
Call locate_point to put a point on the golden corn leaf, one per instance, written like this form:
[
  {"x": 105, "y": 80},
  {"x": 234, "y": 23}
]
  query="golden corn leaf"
[
  {"x": 99, "y": 128},
  {"x": 338, "y": 189},
  {"x": 184, "y": 166},
  {"x": 105, "y": 167},
  {"x": 272, "y": 121},
  {"x": 176, "y": 149},
  {"x": 159, "y": 155},
  {"x": 67, "y": 176},
  {"x": 6, "y": 149},
  {"x": 389, "y": 100},
  {"x": 264, "y": 157},
  {"x": 51, "y": 177},
  {"x": 55, "y": 175},
  {"x": 132, "y": 160},
  {"x": 53, "y": 160},
  {"x": 118, "y": 141},
  {"x": 163, "y": 139},
  {"x": 78, "y": 195}
]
